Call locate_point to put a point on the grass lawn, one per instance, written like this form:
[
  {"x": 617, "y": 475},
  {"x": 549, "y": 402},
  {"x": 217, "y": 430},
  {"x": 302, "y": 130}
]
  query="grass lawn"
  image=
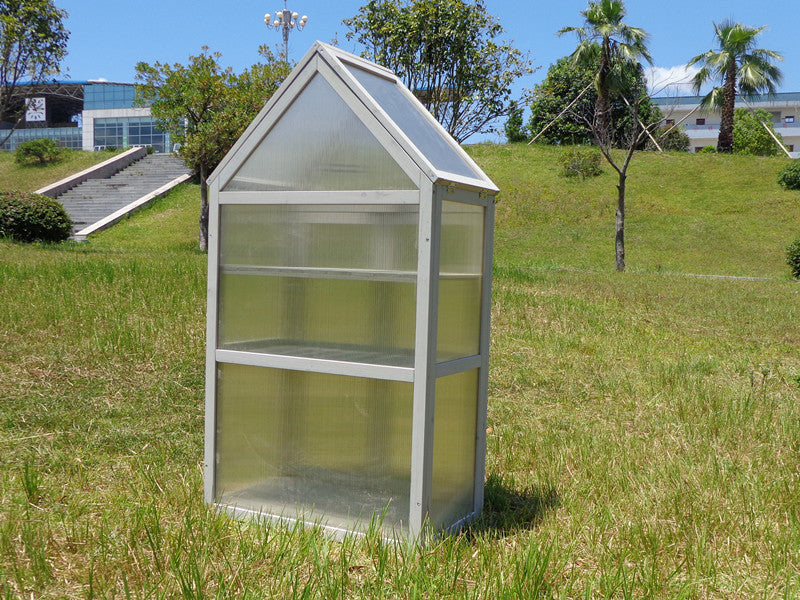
[
  {"x": 644, "y": 427},
  {"x": 30, "y": 177}
]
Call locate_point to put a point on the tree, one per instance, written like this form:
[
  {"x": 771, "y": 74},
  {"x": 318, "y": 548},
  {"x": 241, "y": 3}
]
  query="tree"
[
  {"x": 740, "y": 67},
  {"x": 447, "y": 53},
  {"x": 33, "y": 41},
  {"x": 206, "y": 108},
  {"x": 750, "y": 135},
  {"x": 613, "y": 46},
  {"x": 567, "y": 81},
  {"x": 616, "y": 49},
  {"x": 514, "y": 128}
]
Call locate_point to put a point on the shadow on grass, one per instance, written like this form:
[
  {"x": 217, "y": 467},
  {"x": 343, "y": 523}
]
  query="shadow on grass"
[{"x": 508, "y": 510}]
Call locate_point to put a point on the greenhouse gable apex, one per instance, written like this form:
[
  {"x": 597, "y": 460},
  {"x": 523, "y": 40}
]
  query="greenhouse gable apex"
[{"x": 340, "y": 122}]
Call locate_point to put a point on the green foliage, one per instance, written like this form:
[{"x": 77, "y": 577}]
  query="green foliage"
[
  {"x": 206, "y": 107},
  {"x": 749, "y": 135},
  {"x": 514, "y": 128},
  {"x": 26, "y": 217},
  {"x": 565, "y": 81},
  {"x": 708, "y": 150},
  {"x": 612, "y": 49},
  {"x": 671, "y": 139},
  {"x": 448, "y": 53},
  {"x": 789, "y": 177},
  {"x": 41, "y": 151},
  {"x": 740, "y": 68},
  {"x": 580, "y": 161},
  {"x": 793, "y": 258},
  {"x": 33, "y": 41}
]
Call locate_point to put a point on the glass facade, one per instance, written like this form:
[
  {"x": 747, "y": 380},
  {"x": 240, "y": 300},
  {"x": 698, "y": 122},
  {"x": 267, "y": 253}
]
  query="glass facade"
[
  {"x": 122, "y": 132},
  {"x": 108, "y": 131},
  {"x": 98, "y": 96},
  {"x": 67, "y": 137}
]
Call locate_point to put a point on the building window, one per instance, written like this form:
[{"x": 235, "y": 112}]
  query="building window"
[
  {"x": 698, "y": 148},
  {"x": 791, "y": 147},
  {"x": 788, "y": 119},
  {"x": 670, "y": 122},
  {"x": 122, "y": 132},
  {"x": 700, "y": 122}
]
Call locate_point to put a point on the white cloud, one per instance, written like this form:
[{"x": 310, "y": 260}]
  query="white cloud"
[
  {"x": 99, "y": 80},
  {"x": 670, "y": 81}
]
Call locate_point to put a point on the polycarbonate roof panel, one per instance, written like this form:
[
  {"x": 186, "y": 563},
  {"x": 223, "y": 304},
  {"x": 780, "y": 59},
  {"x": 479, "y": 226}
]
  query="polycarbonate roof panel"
[
  {"x": 319, "y": 144},
  {"x": 427, "y": 138}
]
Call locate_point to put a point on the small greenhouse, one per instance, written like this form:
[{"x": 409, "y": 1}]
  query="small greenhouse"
[{"x": 349, "y": 288}]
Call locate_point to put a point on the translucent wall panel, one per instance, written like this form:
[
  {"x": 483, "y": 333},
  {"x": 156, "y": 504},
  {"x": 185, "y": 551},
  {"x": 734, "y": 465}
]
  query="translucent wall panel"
[
  {"x": 454, "y": 430},
  {"x": 326, "y": 447},
  {"x": 319, "y": 144},
  {"x": 460, "y": 281},
  {"x": 357, "y": 321},
  {"x": 357, "y": 236},
  {"x": 334, "y": 282},
  {"x": 414, "y": 124}
]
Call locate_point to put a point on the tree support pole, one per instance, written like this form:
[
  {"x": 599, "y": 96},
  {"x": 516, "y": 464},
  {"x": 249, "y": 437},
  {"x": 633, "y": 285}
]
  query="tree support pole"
[
  {"x": 644, "y": 128},
  {"x": 767, "y": 129}
]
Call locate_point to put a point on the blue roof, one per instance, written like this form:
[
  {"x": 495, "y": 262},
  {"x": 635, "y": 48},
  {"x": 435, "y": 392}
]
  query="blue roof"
[{"x": 73, "y": 82}]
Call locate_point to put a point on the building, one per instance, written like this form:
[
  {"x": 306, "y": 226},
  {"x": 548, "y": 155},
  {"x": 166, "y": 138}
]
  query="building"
[
  {"x": 87, "y": 115},
  {"x": 702, "y": 125}
]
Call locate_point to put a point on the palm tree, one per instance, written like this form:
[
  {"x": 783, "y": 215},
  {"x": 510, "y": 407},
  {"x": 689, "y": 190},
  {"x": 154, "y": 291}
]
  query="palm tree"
[
  {"x": 740, "y": 67},
  {"x": 615, "y": 48},
  {"x": 607, "y": 41}
]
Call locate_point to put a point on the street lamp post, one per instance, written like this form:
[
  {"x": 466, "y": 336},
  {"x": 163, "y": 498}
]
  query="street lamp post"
[{"x": 285, "y": 20}]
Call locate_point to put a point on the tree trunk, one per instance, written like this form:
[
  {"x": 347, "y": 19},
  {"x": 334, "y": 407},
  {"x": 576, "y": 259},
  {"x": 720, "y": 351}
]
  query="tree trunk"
[
  {"x": 203, "y": 235},
  {"x": 602, "y": 107},
  {"x": 725, "y": 140},
  {"x": 620, "y": 230}
]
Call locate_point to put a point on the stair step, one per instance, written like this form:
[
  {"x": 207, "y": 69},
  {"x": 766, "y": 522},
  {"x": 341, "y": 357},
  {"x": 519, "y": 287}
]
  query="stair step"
[{"x": 95, "y": 199}]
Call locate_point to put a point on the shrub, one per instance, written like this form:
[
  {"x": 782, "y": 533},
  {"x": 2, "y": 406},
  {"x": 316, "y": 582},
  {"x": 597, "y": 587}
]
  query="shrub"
[
  {"x": 677, "y": 139},
  {"x": 749, "y": 133},
  {"x": 41, "y": 151},
  {"x": 708, "y": 150},
  {"x": 26, "y": 217},
  {"x": 793, "y": 258},
  {"x": 789, "y": 177},
  {"x": 579, "y": 161}
]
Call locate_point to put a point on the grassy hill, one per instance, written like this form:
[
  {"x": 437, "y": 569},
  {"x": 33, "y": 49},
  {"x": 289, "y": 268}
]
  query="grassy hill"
[
  {"x": 644, "y": 427},
  {"x": 686, "y": 213},
  {"x": 30, "y": 177}
]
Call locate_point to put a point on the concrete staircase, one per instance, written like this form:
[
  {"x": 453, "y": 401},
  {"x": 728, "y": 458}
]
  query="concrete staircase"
[{"x": 96, "y": 199}]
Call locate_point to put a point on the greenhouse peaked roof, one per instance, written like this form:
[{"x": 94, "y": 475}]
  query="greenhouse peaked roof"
[{"x": 341, "y": 122}]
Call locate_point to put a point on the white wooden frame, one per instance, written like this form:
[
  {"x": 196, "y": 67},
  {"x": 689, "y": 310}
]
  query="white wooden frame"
[{"x": 433, "y": 187}]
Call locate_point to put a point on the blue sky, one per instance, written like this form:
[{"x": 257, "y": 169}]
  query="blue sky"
[{"x": 108, "y": 37}]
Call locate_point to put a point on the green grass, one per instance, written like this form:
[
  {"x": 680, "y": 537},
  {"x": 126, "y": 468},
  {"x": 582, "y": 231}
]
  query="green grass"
[
  {"x": 30, "y": 177},
  {"x": 644, "y": 428}
]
